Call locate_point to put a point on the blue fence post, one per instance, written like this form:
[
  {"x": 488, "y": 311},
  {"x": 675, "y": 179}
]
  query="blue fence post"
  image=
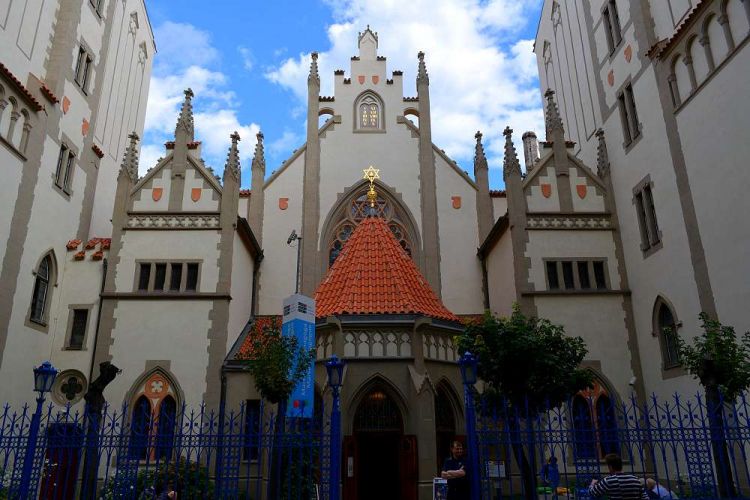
[
  {"x": 28, "y": 460},
  {"x": 335, "y": 368},
  {"x": 468, "y": 364}
]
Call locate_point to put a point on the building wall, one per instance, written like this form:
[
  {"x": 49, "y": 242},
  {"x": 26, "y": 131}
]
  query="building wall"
[{"x": 501, "y": 284}]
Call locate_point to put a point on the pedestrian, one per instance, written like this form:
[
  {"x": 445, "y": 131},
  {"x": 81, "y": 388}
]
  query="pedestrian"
[
  {"x": 618, "y": 485},
  {"x": 657, "y": 491},
  {"x": 551, "y": 475},
  {"x": 455, "y": 471},
  {"x": 168, "y": 493}
]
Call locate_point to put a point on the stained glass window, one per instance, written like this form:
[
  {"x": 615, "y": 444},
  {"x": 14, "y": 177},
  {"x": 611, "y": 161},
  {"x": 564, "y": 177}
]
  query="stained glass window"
[{"x": 369, "y": 113}]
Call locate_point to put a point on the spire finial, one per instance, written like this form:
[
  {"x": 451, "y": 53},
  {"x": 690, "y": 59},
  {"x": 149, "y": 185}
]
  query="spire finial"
[
  {"x": 129, "y": 165},
  {"x": 233, "y": 157},
  {"x": 185, "y": 121},
  {"x": 554, "y": 125},
  {"x": 259, "y": 159},
  {"x": 480, "y": 160},
  {"x": 313, "y": 76},
  {"x": 602, "y": 157},
  {"x": 371, "y": 174},
  {"x": 511, "y": 165},
  {"x": 422, "y": 72}
]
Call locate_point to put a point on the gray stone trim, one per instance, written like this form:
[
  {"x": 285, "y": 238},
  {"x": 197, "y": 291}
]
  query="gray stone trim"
[
  {"x": 557, "y": 293},
  {"x": 172, "y": 222},
  {"x": 165, "y": 296},
  {"x": 311, "y": 192},
  {"x": 580, "y": 221},
  {"x": 69, "y": 326}
]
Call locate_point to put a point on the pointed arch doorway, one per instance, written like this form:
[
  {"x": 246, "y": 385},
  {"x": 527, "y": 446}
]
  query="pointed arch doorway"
[{"x": 379, "y": 460}]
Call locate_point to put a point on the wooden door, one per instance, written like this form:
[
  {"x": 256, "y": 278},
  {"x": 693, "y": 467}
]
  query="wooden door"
[{"x": 409, "y": 467}]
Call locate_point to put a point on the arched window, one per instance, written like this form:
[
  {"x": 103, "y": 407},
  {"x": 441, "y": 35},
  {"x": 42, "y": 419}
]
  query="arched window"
[
  {"x": 40, "y": 296},
  {"x": 606, "y": 422},
  {"x": 666, "y": 329},
  {"x": 165, "y": 428},
  {"x": 369, "y": 112},
  {"x": 584, "y": 434},
  {"x": 594, "y": 416},
  {"x": 377, "y": 413},
  {"x": 140, "y": 424},
  {"x": 357, "y": 210}
]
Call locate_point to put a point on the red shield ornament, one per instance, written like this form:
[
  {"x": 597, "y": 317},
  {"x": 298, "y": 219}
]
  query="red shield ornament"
[
  {"x": 195, "y": 194},
  {"x": 611, "y": 78},
  {"x": 65, "y": 105},
  {"x": 546, "y": 190},
  {"x": 85, "y": 127},
  {"x": 628, "y": 53},
  {"x": 456, "y": 202},
  {"x": 375, "y": 79},
  {"x": 156, "y": 387},
  {"x": 361, "y": 79},
  {"x": 581, "y": 189},
  {"x": 156, "y": 193},
  {"x": 283, "y": 203}
]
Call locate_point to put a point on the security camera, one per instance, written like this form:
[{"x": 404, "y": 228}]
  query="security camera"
[
  {"x": 292, "y": 237},
  {"x": 631, "y": 383}
]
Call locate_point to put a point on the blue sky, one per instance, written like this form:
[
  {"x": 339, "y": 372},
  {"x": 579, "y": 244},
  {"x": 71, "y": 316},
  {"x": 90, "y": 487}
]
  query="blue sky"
[{"x": 247, "y": 62}]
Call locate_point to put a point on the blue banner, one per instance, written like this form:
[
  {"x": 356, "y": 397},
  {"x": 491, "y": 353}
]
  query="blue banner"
[{"x": 299, "y": 322}]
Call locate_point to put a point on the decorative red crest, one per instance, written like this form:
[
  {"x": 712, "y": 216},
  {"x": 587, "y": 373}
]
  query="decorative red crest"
[
  {"x": 156, "y": 193},
  {"x": 375, "y": 79},
  {"x": 581, "y": 189},
  {"x": 195, "y": 194},
  {"x": 456, "y": 202},
  {"x": 611, "y": 77},
  {"x": 546, "y": 190},
  {"x": 628, "y": 53},
  {"x": 361, "y": 79},
  {"x": 283, "y": 203},
  {"x": 65, "y": 105},
  {"x": 85, "y": 127}
]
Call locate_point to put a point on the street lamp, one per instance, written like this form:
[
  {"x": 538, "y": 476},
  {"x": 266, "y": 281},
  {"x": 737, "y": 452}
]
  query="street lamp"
[
  {"x": 468, "y": 365},
  {"x": 335, "y": 369},
  {"x": 44, "y": 377}
]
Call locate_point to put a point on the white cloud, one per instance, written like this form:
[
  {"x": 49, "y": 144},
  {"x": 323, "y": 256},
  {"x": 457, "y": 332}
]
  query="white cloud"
[
  {"x": 478, "y": 79},
  {"x": 286, "y": 143},
  {"x": 215, "y": 106},
  {"x": 247, "y": 57}
]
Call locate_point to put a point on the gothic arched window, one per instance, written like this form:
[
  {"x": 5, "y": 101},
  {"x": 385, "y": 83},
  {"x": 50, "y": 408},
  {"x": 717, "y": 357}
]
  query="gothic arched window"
[
  {"x": 40, "y": 296},
  {"x": 665, "y": 329},
  {"x": 165, "y": 428},
  {"x": 369, "y": 111},
  {"x": 155, "y": 419},
  {"x": 140, "y": 424},
  {"x": 594, "y": 416},
  {"x": 358, "y": 210}
]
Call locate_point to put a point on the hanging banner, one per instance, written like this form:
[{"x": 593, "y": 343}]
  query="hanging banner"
[{"x": 299, "y": 321}]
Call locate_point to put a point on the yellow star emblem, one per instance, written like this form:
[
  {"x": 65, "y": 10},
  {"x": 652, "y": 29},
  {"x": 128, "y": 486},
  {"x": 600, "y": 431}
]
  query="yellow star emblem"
[{"x": 371, "y": 173}]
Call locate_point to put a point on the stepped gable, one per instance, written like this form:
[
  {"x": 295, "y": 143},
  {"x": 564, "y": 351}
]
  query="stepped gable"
[{"x": 374, "y": 275}]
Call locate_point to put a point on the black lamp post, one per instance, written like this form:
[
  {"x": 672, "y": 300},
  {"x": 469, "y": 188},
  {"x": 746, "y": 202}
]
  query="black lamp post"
[
  {"x": 44, "y": 377},
  {"x": 468, "y": 365},
  {"x": 335, "y": 369}
]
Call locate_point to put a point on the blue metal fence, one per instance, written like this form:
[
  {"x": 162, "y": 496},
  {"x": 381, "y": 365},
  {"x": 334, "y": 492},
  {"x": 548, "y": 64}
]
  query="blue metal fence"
[
  {"x": 690, "y": 448},
  {"x": 247, "y": 453}
]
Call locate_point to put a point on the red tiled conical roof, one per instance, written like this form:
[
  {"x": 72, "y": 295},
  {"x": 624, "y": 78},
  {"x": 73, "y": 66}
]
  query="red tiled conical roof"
[{"x": 374, "y": 275}]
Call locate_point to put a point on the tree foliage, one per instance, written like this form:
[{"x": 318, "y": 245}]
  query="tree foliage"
[
  {"x": 278, "y": 363},
  {"x": 527, "y": 361},
  {"x": 718, "y": 357}
]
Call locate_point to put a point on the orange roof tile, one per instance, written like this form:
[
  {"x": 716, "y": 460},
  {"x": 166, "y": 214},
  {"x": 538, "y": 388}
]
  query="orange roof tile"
[
  {"x": 256, "y": 333},
  {"x": 374, "y": 275}
]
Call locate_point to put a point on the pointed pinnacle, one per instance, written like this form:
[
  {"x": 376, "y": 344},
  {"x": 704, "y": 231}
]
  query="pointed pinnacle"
[
  {"x": 422, "y": 72},
  {"x": 511, "y": 165},
  {"x": 233, "y": 157},
  {"x": 259, "y": 159},
  {"x": 185, "y": 120},
  {"x": 602, "y": 157},
  {"x": 130, "y": 158},
  {"x": 552, "y": 117},
  {"x": 480, "y": 160},
  {"x": 313, "y": 76}
]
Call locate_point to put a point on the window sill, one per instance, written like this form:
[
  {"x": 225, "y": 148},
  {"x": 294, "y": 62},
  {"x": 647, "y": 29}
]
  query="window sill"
[
  {"x": 39, "y": 326},
  {"x": 65, "y": 193},
  {"x": 591, "y": 291},
  {"x": 628, "y": 145},
  {"x": 69, "y": 348},
  {"x": 365, "y": 131},
  {"x": 649, "y": 251},
  {"x": 672, "y": 372}
]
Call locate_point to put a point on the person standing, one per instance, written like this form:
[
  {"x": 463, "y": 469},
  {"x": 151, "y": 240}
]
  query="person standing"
[
  {"x": 618, "y": 485},
  {"x": 551, "y": 475},
  {"x": 454, "y": 470},
  {"x": 658, "y": 492}
]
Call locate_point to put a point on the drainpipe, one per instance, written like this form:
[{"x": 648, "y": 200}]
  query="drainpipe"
[{"x": 98, "y": 319}]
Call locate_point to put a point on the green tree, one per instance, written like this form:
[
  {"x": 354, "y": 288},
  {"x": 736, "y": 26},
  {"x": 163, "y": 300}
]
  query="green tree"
[
  {"x": 530, "y": 365},
  {"x": 277, "y": 364},
  {"x": 720, "y": 361}
]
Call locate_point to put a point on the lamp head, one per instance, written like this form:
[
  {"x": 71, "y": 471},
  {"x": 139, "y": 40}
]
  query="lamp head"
[{"x": 44, "y": 377}]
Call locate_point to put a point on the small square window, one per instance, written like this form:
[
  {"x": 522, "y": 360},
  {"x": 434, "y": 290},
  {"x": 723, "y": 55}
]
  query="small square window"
[
  {"x": 160, "y": 276},
  {"x": 78, "y": 328}
]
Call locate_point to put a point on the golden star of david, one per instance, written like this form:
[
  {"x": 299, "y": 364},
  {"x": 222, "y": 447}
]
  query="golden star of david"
[{"x": 371, "y": 173}]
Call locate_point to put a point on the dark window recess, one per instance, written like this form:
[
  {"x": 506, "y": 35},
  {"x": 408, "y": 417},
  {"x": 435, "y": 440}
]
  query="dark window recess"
[
  {"x": 191, "y": 284},
  {"x": 80, "y": 61},
  {"x": 628, "y": 114},
  {"x": 612, "y": 28},
  {"x": 599, "y": 276},
  {"x": 668, "y": 332},
  {"x": 78, "y": 329},
  {"x": 583, "y": 275},
  {"x": 552, "y": 278},
  {"x": 160, "y": 276},
  {"x": 646, "y": 212},
  {"x": 175, "y": 277},
  {"x": 68, "y": 171},
  {"x": 41, "y": 285},
  {"x": 60, "y": 170},
  {"x": 567, "y": 268},
  {"x": 651, "y": 215},
  {"x": 253, "y": 430},
  {"x": 144, "y": 276}
]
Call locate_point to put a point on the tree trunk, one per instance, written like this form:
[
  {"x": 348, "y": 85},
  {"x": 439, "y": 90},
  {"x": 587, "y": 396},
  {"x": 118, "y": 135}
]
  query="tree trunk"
[
  {"x": 274, "y": 485},
  {"x": 714, "y": 406},
  {"x": 528, "y": 469}
]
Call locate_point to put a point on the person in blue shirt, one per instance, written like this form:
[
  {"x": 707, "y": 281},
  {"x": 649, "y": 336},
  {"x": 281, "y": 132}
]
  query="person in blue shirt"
[
  {"x": 551, "y": 475},
  {"x": 455, "y": 471}
]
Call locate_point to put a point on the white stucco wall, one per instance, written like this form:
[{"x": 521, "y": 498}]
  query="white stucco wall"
[
  {"x": 240, "y": 308},
  {"x": 500, "y": 278}
]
